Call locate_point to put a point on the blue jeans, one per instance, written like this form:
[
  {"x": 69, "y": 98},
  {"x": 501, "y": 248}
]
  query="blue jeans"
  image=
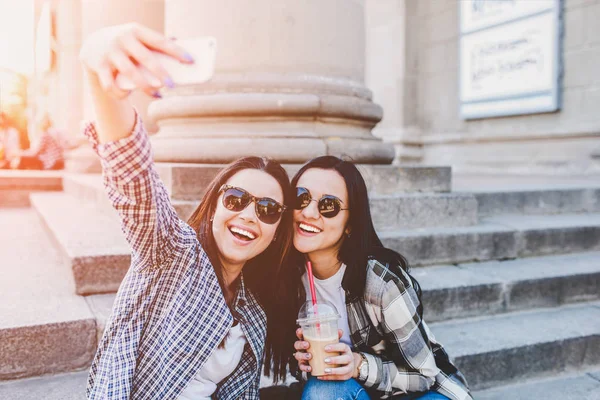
[
  {"x": 334, "y": 390},
  {"x": 430, "y": 395}
]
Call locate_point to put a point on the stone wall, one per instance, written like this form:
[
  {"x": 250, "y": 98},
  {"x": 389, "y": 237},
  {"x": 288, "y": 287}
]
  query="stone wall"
[{"x": 561, "y": 142}]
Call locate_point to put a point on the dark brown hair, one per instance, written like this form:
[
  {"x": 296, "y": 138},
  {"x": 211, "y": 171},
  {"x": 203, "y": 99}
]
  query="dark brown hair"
[{"x": 263, "y": 272}]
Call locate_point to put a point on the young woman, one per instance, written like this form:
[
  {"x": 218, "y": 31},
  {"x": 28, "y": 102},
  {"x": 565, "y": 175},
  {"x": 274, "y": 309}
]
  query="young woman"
[
  {"x": 186, "y": 323},
  {"x": 386, "y": 350}
]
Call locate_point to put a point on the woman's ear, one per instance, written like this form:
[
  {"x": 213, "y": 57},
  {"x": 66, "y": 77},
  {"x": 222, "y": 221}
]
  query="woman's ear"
[{"x": 348, "y": 232}]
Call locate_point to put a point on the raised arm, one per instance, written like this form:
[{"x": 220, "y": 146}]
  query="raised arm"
[{"x": 135, "y": 190}]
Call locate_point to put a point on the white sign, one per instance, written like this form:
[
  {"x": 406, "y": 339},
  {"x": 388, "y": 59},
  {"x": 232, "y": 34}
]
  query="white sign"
[
  {"x": 477, "y": 14},
  {"x": 509, "y": 57}
]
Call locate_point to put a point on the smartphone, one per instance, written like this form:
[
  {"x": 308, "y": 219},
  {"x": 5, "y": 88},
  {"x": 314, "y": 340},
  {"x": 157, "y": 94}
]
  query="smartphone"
[{"x": 202, "y": 49}]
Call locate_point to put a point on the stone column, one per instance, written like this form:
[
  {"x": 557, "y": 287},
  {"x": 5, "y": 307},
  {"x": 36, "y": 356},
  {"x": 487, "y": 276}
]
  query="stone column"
[
  {"x": 97, "y": 14},
  {"x": 289, "y": 84},
  {"x": 391, "y": 72},
  {"x": 68, "y": 81},
  {"x": 76, "y": 19}
]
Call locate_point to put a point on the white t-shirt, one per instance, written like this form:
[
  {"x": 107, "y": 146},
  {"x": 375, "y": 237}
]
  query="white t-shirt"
[
  {"x": 218, "y": 367},
  {"x": 331, "y": 290}
]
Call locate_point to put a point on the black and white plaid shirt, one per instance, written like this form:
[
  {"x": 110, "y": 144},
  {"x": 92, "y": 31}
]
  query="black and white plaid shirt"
[
  {"x": 170, "y": 313},
  {"x": 402, "y": 353}
]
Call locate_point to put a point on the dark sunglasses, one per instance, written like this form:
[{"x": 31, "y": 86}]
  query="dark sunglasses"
[
  {"x": 236, "y": 199},
  {"x": 329, "y": 206}
]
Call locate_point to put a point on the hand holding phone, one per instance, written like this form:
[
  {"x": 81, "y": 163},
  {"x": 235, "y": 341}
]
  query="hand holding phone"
[
  {"x": 202, "y": 50},
  {"x": 131, "y": 56}
]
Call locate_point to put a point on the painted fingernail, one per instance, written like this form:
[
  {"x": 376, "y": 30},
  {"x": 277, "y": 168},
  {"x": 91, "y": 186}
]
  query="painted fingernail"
[
  {"x": 327, "y": 370},
  {"x": 309, "y": 369},
  {"x": 157, "y": 95},
  {"x": 169, "y": 82},
  {"x": 305, "y": 345},
  {"x": 188, "y": 57},
  {"x": 328, "y": 360},
  {"x": 327, "y": 348},
  {"x": 307, "y": 356}
]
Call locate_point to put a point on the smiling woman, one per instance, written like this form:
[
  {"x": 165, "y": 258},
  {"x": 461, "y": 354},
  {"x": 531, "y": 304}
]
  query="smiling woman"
[{"x": 190, "y": 318}]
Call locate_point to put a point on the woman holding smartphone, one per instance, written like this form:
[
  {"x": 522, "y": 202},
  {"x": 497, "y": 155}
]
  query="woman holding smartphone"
[
  {"x": 386, "y": 350},
  {"x": 186, "y": 322}
]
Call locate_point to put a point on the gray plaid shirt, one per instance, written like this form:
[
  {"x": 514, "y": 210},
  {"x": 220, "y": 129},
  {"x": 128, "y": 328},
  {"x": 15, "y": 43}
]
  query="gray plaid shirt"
[
  {"x": 402, "y": 353},
  {"x": 170, "y": 313}
]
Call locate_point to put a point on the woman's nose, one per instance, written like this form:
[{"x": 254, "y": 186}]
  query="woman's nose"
[
  {"x": 311, "y": 210},
  {"x": 249, "y": 213}
]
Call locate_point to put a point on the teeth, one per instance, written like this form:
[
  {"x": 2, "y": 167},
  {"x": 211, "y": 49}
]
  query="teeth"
[
  {"x": 239, "y": 231},
  {"x": 309, "y": 228}
]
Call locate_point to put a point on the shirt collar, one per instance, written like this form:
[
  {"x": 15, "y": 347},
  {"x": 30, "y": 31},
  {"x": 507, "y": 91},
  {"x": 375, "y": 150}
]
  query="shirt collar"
[{"x": 240, "y": 299}]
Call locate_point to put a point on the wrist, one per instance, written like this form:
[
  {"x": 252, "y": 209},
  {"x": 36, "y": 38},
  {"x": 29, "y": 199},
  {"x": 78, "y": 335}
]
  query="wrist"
[{"x": 358, "y": 359}]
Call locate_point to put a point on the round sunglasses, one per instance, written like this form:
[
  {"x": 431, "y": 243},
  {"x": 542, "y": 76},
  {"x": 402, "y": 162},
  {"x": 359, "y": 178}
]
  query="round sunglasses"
[
  {"x": 329, "y": 205},
  {"x": 267, "y": 210}
]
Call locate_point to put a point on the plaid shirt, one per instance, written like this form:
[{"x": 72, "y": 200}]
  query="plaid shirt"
[
  {"x": 402, "y": 353},
  {"x": 169, "y": 313},
  {"x": 48, "y": 149}
]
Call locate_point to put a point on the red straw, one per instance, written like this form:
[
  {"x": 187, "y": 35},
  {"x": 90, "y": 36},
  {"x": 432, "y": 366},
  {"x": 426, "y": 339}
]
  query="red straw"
[
  {"x": 313, "y": 292},
  {"x": 311, "y": 280}
]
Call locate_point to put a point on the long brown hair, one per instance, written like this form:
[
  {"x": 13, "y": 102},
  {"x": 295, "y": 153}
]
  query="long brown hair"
[{"x": 262, "y": 273}]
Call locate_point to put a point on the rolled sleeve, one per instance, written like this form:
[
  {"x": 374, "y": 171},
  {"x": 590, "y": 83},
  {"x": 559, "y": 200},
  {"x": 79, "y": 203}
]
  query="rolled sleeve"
[
  {"x": 135, "y": 190},
  {"x": 126, "y": 158}
]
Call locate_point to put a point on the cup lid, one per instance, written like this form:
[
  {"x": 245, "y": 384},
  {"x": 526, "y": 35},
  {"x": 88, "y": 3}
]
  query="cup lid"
[{"x": 321, "y": 312}]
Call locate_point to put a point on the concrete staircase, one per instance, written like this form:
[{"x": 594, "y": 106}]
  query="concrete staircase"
[{"x": 510, "y": 273}]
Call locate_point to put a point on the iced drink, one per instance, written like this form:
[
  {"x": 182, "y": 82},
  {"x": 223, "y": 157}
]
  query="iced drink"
[{"x": 320, "y": 328}]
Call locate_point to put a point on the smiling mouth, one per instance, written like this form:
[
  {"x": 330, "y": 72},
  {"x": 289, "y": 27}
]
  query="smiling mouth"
[
  {"x": 308, "y": 228},
  {"x": 242, "y": 234}
]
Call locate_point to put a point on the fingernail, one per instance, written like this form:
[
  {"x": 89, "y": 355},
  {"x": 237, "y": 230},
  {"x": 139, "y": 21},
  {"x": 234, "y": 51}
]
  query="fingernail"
[
  {"x": 327, "y": 348},
  {"x": 188, "y": 57},
  {"x": 309, "y": 369},
  {"x": 305, "y": 345},
  {"x": 157, "y": 95},
  {"x": 307, "y": 356},
  {"x": 169, "y": 82},
  {"x": 327, "y": 370},
  {"x": 328, "y": 360},
  {"x": 172, "y": 38}
]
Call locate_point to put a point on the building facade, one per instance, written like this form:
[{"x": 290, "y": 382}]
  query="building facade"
[{"x": 295, "y": 80}]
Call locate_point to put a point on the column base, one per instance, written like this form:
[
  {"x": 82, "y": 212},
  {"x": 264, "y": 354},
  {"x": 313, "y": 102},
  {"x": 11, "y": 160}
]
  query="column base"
[{"x": 288, "y": 118}]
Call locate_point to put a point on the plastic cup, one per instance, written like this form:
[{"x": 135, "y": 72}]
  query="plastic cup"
[{"x": 319, "y": 325}]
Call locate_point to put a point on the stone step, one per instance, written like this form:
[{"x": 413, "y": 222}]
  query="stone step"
[
  {"x": 540, "y": 201},
  {"x": 45, "y": 328},
  {"x": 15, "y": 186},
  {"x": 495, "y": 287},
  {"x": 573, "y": 386},
  {"x": 397, "y": 211},
  {"x": 70, "y": 386},
  {"x": 189, "y": 181},
  {"x": 91, "y": 241},
  {"x": 497, "y": 238},
  {"x": 497, "y": 350}
]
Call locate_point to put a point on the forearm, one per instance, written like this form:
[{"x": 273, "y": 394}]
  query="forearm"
[
  {"x": 115, "y": 118},
  {"x": 387, "y": 377}
]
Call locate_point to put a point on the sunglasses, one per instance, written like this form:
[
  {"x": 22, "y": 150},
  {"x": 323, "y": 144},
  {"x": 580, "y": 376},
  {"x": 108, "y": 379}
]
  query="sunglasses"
[
  {"x": 329, "y": 206},
  {"x": 267, "y": 210}
]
